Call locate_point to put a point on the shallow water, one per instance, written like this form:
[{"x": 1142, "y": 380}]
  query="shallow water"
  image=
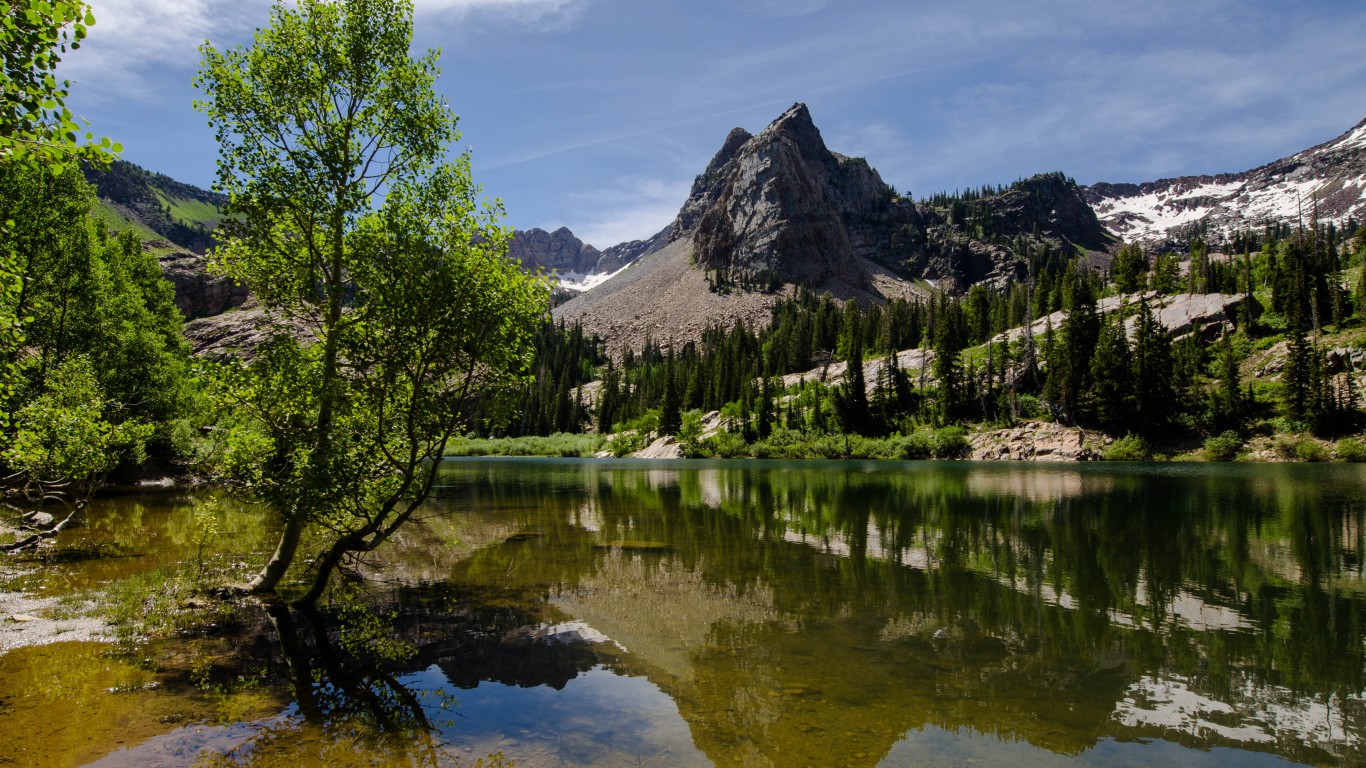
[{"x": 569, "y": 612}]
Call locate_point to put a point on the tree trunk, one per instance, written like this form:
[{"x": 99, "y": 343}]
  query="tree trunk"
[
  {"x": 269, "y": 577},
  {"x": 43, "y": 535},
  {"x": 326, "y": 565}
]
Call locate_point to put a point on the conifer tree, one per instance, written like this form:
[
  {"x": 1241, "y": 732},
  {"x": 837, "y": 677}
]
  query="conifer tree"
[
  {"x": 851, "y": 399},
  {"x": 950, "y": 338},
  {"x": 1128, "y": 268},
  {"x": 1079, "y": 334},
  {"x": 1112, "y": 391},
  {"x": 1154, "y": 392},
  {"x": 671, "y": 412}
]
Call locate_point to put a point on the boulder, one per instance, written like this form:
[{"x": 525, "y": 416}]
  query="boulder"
[{"x": 1037, "y": 441}]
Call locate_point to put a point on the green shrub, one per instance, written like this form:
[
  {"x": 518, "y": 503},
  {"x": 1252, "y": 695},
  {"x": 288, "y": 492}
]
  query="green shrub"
[
  {"x": 916, "y": 445},
  {"x": 690, "y": 434},
  {"x": 949, "y": 442},
  {"x": 725, "y": 445},
  {"x": 1284, "y": 447},
  {"x": 1311, "y": 450},
  {"x": 646, "y": 422},
  {"x": 1127, "y": 448},
  {"x": 873, "y": 448},
  {"x": 558, "y": 444},
  {"x": 623, "y": 443},
  {"x": 1286, "y": 426},
  {"x": 830, "y": 447},
  {"x": 1030, "y": 407},
  {"x": 1350, "y": 449},
  {"x": 1224, "y": 447}
]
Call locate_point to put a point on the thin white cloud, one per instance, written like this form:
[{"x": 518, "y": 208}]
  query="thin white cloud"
[
  {"x": 778, "y": 8},
  {"x": 550, "y": 15},
  {"x": 629, "y": 209},
  {"x": 138, "y": 45}
]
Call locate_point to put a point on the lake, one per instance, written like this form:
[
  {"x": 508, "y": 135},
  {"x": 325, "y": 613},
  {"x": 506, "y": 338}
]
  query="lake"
[{"x": 624, "y": 613}]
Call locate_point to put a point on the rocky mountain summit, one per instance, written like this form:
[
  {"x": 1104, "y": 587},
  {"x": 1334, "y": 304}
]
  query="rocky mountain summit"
[
  {"x": 540, "y": 251},
  {"x": 1330, "y": 178},
  {"x": 778, "y": 210},
  {"x": 781, "y": 208}
]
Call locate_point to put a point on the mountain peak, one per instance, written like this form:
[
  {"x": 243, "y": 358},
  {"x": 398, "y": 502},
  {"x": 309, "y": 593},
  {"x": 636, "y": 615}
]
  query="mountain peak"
[
  {"x": 796, "y": 122},
  {"x": 776, "y": 207}
]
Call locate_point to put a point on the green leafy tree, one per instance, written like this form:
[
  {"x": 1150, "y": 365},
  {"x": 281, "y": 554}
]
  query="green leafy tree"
[
  {"x": 407, "y": 315},
  {"x": 88, "y": 295},
  {"x": 66, "y": 442},
  {"x": 96, "y": 371},
  {"x": 36, "y": 127}
]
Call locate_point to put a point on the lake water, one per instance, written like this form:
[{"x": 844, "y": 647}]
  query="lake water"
[{"x": 620, "y": 613}]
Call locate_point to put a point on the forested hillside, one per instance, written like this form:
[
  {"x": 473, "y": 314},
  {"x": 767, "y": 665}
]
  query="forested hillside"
[{"x": 1076, "y": 345}]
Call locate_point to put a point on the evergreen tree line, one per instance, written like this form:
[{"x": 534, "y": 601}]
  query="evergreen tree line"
[{"x": 1121, "y": 372}]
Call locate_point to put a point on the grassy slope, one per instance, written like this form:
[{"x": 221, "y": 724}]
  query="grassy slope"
[{"x": 116, "y": 221}]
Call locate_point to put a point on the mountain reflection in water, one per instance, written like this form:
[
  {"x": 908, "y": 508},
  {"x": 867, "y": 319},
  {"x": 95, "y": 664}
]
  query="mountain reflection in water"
[{"x": 837, "y": 613}]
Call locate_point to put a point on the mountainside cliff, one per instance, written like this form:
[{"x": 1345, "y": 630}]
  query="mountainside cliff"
[
  {"x": 780, "y": 207},
  {"x": 577, "y": 265},
  {"x": 778, "y": 210}
]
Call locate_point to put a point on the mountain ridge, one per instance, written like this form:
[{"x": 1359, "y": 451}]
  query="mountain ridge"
[
  {"x": 778, "y": 210},
  {"x": 1329, "y": 178}
]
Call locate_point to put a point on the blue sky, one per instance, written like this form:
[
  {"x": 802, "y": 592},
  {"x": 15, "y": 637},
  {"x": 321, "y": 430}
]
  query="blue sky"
[{"x": 597, "y": 114}]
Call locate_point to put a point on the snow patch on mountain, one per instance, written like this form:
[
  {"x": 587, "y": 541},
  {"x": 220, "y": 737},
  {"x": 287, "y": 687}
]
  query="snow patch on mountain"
[
  {"x": 579, "y": 283},
  {"x": 1329, "y": 180}
]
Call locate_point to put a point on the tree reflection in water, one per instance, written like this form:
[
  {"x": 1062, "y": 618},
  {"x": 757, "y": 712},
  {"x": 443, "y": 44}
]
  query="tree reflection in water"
[{"x": 840, "y": 613}]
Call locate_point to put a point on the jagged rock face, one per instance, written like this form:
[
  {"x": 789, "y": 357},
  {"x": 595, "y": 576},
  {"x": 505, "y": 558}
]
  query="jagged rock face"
[
  {"x": 197, "y": 293},
  {"x": 1047, "y": 210},
  {"x": 1331, "y": 177},
  {"x": 560, "y": 250},
  {"x": 579, "y": 265},
  {"x": 781, "y": 204},
  {"x": 622, "y": 254},
  {"x": 1053, "y": 206}
]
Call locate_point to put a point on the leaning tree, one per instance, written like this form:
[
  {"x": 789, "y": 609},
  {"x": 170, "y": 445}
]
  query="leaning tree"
[{"x": 398, "y": 314}]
